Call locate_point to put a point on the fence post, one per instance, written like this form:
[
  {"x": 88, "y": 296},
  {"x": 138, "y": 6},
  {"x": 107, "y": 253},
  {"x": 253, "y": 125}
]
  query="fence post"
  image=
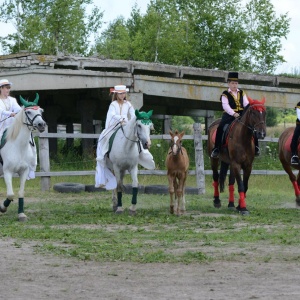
[
  {"x": 199, "y": 160},
  {"x": 44, "y": 161}
]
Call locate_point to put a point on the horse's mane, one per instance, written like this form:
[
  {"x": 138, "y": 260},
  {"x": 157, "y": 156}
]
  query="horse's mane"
[{"x": 14, "y": 129}]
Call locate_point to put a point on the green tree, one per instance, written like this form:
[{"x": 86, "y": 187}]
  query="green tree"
[
  {"x": 264, "y": 36},
  {"x": 203, "y": 33},
  {"x": 49, "y": 26}
]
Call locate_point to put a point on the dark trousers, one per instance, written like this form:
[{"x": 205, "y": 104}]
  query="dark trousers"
[
  {"x": 295, "y": 138},
  {"x": 226, "y": 119}
]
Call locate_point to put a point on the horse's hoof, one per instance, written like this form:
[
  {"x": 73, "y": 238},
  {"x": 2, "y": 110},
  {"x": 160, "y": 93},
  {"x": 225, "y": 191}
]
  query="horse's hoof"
[
  {"x": 22, "y": 217},
  {"x": 132, "y": 212},
  {"x": 119, "y": 210},
  {"x": 3, "y": 209},
  {"x": 115, "y": 207},
  {"x": 231, "y": 206},
  {"x": 217, "y": 204},
  {"x": 243, "y": 211}
]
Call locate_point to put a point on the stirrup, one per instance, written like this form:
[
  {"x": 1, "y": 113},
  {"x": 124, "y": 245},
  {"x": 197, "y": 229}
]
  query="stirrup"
[
  {"x": 215, "y": 153},
  {"x": 295, "y": 160}
]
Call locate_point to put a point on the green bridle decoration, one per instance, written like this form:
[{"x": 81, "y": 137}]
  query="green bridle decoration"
[
  {"x": 27, "y": 103},
  {"x": 143, "y": 116}
]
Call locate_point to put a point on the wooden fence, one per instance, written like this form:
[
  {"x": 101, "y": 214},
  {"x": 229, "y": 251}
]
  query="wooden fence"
[{"x": 44, "y": 160}]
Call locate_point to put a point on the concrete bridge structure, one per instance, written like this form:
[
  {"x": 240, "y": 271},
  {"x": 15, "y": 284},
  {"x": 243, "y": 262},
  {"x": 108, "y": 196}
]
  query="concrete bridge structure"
[{"x": 75, "y": 89}]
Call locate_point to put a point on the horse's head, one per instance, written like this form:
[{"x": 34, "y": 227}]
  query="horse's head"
[
  {"x": 176, "y": 142},
  {"x": 33, "y": 114},
  {"x": 257, "y": 117},
  {"x": 143, "y": 127}
]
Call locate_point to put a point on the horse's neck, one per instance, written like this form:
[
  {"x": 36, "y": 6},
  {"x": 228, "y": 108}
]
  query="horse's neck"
[
  {"x": 20, "y": 132},
  {"x": 129, "y": 129}
]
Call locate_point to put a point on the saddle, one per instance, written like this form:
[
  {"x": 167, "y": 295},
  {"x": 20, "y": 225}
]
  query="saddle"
[{"x": 226, "y": 129}]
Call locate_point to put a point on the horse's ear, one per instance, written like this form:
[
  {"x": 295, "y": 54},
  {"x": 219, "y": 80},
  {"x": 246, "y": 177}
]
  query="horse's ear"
[
  {"x": 251, "y": 101},
  {"x": 170, "y": 132},
  {"x": 182, "y": 134},
  {"x": 263, "y": 100},
  {"x": 36, "y": 100},
  {"x": 150, "y": 112}
]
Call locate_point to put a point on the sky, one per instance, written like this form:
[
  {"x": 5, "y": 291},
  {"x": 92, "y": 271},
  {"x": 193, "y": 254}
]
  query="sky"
[{"x": 291, "y": 45}]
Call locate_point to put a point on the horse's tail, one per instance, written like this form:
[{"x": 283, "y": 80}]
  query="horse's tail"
[{"x": 223, "y": 174}]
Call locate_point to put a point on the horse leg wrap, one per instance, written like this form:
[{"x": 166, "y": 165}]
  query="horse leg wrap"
[
  {"x": 119, "y": 198},
  {"x": 296, "y": 188},
  {"x": 242, "y": 201},
  {"x": 21, "y": 205},
  {"x": 216, "y": 188},
  {"x": 3, "y": 207},
  {"x": 134, "y": 195},
  {"x": 7, "y": 202},
  {"x": 231, "y": 193}
]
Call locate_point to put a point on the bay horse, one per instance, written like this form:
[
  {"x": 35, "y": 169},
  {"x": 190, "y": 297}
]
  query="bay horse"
[
  {"x": 177, "y": 163},
  {"x": 237, "y": 152},
  {"x": 130, "y": 145},
  {"x": 18, "y": 151},
  {"x": 285, "y": 155}
]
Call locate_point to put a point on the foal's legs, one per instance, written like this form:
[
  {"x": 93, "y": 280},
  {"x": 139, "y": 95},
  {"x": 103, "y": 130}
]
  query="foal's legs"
[
  {"x": 181, "y": 193},
  {"x": 171, "y": 192}
]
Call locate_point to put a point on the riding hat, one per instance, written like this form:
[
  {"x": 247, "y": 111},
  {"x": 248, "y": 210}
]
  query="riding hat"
[
  {"x": 5, "y": 82},
  {"x": 119, "y": 89},
  {"x": 233, "y": 76}
]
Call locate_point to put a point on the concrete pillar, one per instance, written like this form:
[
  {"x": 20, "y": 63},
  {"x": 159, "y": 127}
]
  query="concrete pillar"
[
  {"x": 86, "y": 109},
  {"x": 167, "y": 124},
  {"x": 52, "y": 113},
  {"x": 137, "y": 99},
  {"x": 69, "y": 129}
]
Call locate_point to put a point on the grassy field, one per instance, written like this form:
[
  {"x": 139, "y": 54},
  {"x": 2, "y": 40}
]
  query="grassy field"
[{"x": 84, "y": 226}]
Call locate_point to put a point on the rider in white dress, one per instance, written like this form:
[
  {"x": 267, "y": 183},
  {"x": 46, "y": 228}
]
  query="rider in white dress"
[{"x": 119, "y": 112}]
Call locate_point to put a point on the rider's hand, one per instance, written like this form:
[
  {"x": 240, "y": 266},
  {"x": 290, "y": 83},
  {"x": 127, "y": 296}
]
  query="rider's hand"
[
  {"x": 236, "y": 115},
  {"x": 12, "y": 114}
]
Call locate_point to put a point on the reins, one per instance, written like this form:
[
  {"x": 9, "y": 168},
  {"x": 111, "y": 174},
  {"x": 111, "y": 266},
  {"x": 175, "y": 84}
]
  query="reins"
[{"x": 251, "y": 128}]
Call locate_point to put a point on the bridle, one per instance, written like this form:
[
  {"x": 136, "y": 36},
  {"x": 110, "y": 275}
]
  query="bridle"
[
  {"x": 179, "y": 148},
  {"x": 29, "y": 121},
  {"x": 251, "y": 108}
]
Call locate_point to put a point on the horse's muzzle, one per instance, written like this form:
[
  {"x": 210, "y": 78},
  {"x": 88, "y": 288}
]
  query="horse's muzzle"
[{"x": 41, "y": 126}]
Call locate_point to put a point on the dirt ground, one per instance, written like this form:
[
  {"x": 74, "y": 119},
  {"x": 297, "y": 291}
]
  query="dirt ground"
[{"x": 27, "y": 275}]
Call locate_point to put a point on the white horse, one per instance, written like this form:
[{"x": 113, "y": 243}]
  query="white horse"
[
  {"x": 18, "y": 151},
  {"x": 127, "y": 152}
]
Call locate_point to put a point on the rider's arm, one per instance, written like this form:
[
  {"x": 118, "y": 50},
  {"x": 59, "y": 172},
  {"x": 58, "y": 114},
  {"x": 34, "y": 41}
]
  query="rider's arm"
[{"x": 226, "y": 106}]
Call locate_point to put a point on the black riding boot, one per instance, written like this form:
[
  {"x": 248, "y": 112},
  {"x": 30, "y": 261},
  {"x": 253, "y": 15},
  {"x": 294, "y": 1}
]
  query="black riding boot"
[{"x": 216, "y": 150}]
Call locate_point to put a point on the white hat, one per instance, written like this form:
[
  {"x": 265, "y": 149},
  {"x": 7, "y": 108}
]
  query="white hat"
[
  {"x": 4, "y": 82},
  {"x": 119, "y": 89}
]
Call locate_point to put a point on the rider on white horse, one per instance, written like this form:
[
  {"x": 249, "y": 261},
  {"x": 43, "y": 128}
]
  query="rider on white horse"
[{"x": 119, "y": 113}]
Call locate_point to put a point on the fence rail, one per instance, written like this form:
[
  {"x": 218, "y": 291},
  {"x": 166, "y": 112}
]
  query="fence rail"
[{"x": 44, "y": 158}]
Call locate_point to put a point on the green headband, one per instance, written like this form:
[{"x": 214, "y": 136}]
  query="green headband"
[
  {"x": 143, "y": 116},
  {"x": 27, "y": 103}
]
